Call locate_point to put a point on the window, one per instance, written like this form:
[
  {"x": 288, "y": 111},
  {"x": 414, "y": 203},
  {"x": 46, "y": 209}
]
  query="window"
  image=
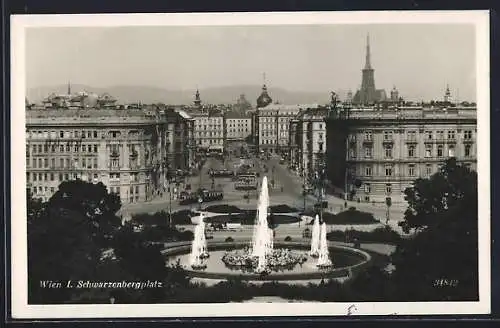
[
  {"x": 61, "y": 134},
  {"x": 53, "y": 163},
  {"x": 368, "y": 135},
  {"x": 60, "y": 177},
  {"x": 95, "y": 163},
  {"x": 45, "y": 162},
  {"x": 34, "y": 176},
  {"x": 468, "y": 134},
  {"x": 388, "y": 171},
  {"x": 95, "y": 148},
  {"x": 412, "y": 135},
  {"x": 411, "y": 151},
  {"x": 387, "y": 135},
  {"x": 451, "y": 134},
  {"x": 440, "y": 135},
  {"x": 428, "y": 150},
  {"x": 467, "y": 150},
  {"x": 45, "y": 148},
  {"x": 52, "y": 177},
  {"x": 368, "y": 152},
  {"x": 40, "y": 163},
  {"x": 95, "y": 134},
  {"x": 388, "y": 189},
  {"x": 115, "y": 163},
  {"x": 440, "y": 151},
  {"x": 61, "y": 162},
  {"x": 428, "y": 169},
  {"x": 39, "y": 148},
  {"x": 68, "y": 148},
  {"x": 352, "y": 152},
  {"x": 61, "y": 148},
  {"x": 411, "y": 170},
  {"x": 388, "y": 152},
  {"x": 368, "y": 170},
  {"x": 34, "y": 149},
  {"x": 368, "y": 188},
  {"x": 89, "y": 148},
  {"x": 428, "y": 135},
  {"x": 451, "y": 151}
]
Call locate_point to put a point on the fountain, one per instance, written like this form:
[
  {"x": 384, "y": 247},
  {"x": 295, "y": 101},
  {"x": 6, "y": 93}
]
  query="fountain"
[
  {"x": 199, "y": 250},
  {"x": 315, "y": 238},
  {"x": 263, "y": 256},
  {"x": 262, "y": 240},
  {"x": 324, "y": 255}
]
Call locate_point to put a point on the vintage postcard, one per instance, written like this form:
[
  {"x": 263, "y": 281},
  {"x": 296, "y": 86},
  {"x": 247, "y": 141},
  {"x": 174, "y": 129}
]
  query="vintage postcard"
[{"x": 206, "y": 165}]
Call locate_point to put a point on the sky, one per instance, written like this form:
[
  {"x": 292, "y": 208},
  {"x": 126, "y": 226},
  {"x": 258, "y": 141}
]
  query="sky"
[{"x": 419, "y": 59}]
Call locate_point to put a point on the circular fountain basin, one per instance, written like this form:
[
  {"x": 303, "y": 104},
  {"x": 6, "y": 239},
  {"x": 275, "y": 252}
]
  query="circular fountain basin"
[{"x": 346, "y": 261}]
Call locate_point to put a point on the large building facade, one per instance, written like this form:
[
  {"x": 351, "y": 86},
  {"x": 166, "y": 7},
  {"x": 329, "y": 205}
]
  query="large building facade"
[
  {"x": 209, "y": 132},
  {"x": 374, "y": 154},
  {"x": 307, "y": 140},
  {"x": 129, "y": 150},
  {"x": 237, "y": 126}
]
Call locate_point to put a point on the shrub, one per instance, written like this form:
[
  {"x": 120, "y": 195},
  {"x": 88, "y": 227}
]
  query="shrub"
[
  {"x": 162, "y": 218},
  {"x": 288, "y": 238},
  {"x": 381, "y": 235},
  {"x": 182, "y": 217},
  {"x": 352, "y": 216},
  {"x": 229, "y": 239},
  {"x": 282, "y": 209},
  {"x": 222, "y": 209}
]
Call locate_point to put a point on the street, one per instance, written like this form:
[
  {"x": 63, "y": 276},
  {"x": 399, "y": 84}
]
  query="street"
[{"x": 287, "y": 189}]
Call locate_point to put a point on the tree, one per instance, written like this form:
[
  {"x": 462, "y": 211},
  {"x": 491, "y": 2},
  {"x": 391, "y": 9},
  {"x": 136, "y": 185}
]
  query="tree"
[
  {"x": 67, "y": 236},
  {"x": 441, "y": 261}
]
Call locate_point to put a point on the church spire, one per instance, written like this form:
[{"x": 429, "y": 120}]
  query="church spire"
[
  {"x": 368, "y": 64},
  {"x": 69, "y": 88},
  {"x": 197, "y": 98}
]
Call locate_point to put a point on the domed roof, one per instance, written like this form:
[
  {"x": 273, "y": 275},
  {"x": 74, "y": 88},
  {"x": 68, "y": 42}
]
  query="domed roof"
[{"x": 264, "y": 99}]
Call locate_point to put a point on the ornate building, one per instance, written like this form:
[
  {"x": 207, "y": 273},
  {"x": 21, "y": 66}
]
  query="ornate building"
[
  {"x": 308, "y": 140},
  {"x": 273, "y": 124},
  {"x": 237, "y": 126},
  {"x": 373, "y": 154},
  {"x": 209, "y": 134},
  {"x": 129, "y": 150},
  {"x": 368, "y": 94}
]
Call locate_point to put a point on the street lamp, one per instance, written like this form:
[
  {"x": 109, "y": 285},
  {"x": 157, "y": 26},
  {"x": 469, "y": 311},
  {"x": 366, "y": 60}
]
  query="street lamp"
[{"x": 388, "y": 203}]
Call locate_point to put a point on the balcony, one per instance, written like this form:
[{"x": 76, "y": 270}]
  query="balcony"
[
  {"x": 411, "y": 141},
  {"x": 451, "y": 141},
  {"x": 367, "y": 141},
  {"x": 388, "y": 141},
  {"x": 134, "y": 154},
  {"x": 468, "y": 141},
  {"x": 115, "y": 154}
]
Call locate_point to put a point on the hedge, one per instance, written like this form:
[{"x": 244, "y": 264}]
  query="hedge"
[{"x": 379, "y": 235}]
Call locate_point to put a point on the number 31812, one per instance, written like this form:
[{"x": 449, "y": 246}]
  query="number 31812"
[{"x": 445, "y": 283}]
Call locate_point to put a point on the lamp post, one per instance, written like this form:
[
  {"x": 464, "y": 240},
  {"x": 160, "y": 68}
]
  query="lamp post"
[{"x": 388, "y": 203}]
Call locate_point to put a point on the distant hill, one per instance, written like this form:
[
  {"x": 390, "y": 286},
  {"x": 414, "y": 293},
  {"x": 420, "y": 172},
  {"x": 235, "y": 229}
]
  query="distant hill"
[{"x": 218, "y": 95}]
